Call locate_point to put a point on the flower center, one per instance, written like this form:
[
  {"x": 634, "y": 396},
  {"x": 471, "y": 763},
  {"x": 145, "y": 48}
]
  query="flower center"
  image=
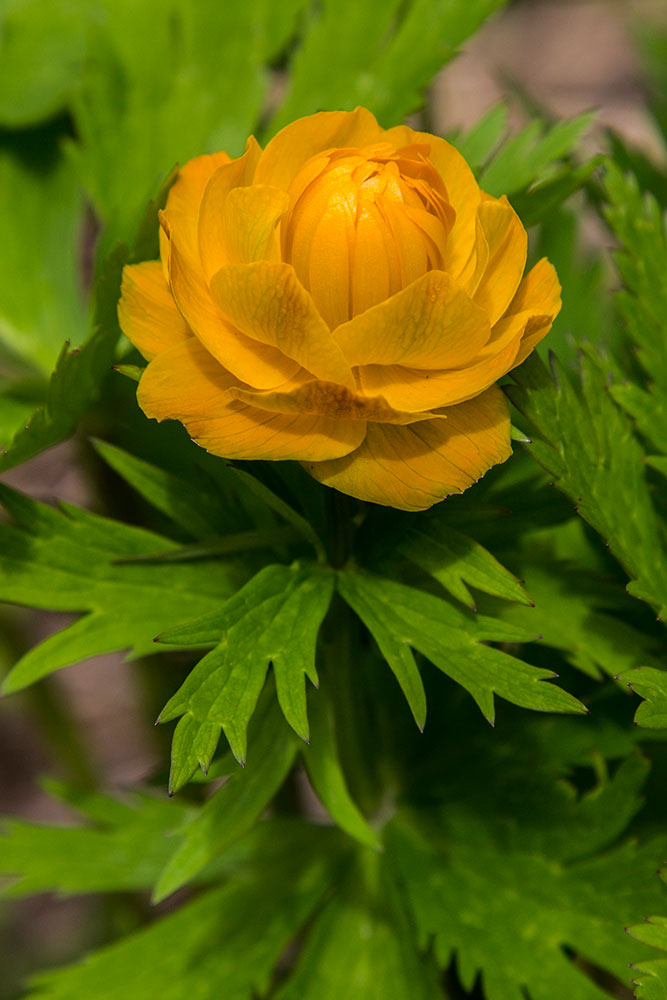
[{"x": 364, "y": 223}]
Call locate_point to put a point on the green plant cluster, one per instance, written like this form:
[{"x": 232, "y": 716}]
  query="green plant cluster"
[{"x": 412, "y": 755}]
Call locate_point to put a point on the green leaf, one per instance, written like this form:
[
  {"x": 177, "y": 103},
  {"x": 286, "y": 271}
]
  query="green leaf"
[
  {"x": 124, "y": 851},
  {"x": 361, "y": 945},
  {"x": 327, "y": 777},
  {"x": 211, "y": 947},
  {"x": 586, "y": 442},
  {"x": 274, "y": 618},
  {"x": 651, "y": 984},
  {"x": 504, "y": 876},
  {"x": 454, "y": 559},
  {"x": 453, "y": 641},
  {"x": 283, "y": 509},
  {"x": 42, "y": 46},
  {"x": 125, "y": 100},
  {"x": 377, "y": 53},
  {"x": 530, "y": 154},
  {"x": 235, "y": 807},
  {"x": 76, "y": 381},
  {"x": 650, "y": 684},
  {"x": 42, "y": 302},
  {"x": 641, "y": 228},
  {"x": 569, "y": 615},
  {"x": 201, "y": 513},
  {"x": 66, "y": 560}
]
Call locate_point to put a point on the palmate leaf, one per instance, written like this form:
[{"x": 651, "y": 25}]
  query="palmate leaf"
[
  {"x": 361, "y": 946},
  {"x": 651, "y": 684},
  {"x": 378, "y": 53},
  {"x": 274, "y": 618},
  {"x": 401, "y": 617},
  {"x": 455, "y": 559},
  {"x": 650, "y": 977},
  {"x": 67, "y": 560},
  {"x": 124, "y": 847},
  {"x": 211, "y": 947},
  {"x": 505, "y": 876},
  {"x": 574, "y": 614},
  {"x": 235, "y": 807},
  {"x": 587, "y": 443}
]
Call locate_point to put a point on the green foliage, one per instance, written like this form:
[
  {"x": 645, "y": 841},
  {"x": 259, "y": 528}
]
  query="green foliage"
[
  {"x": 68, "y": 560},
  {"x": 588, "y": 445},
  {"x": 651, "y": 984},
  {"x": 124, "y": 847},
  {"x": 509, "y": 887},
  {"x": 210, "y": 947},
  {"x": 384, "y": 54},
  {"x": 400, "y": 617},
  {"x": 273, "y": 619},
  {"x": 352, "y": 853},
  {"x": 640, "y": 227}
]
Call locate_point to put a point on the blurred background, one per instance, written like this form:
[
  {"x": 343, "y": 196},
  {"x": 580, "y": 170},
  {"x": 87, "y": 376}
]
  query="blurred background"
[{"x": 561, "y": 57}]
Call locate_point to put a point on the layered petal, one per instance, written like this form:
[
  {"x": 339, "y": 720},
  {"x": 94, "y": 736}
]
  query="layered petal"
[
  {"x": 415, "y": 466},
  {"x": 258, "y": 364},
  {"x": 327, "y": 399},
  {"x": 183, "y": 201},
  {"x": 538, "y": 293},
  {"x": 430, "y": 324},
  {"x": 507, "y": 244},
  {"x": 462, "y": 189},
  {"x": 186, "y": 383},
  {"x": 286, "y": 153},
  {"x": 218, "y": 219},
  {"x": 412, "y": 390},
  {"x": 147, "y": 313},
  {"x": 267, "y": 302}
]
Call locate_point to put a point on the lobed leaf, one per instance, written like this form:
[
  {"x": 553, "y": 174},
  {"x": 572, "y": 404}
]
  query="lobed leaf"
[
  {"x": 274, "y": 619},
  {"x": 453, "y": 642}
]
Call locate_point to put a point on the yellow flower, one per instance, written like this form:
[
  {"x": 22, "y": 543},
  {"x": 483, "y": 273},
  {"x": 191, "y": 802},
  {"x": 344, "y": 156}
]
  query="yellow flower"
[{"x": 346, "y": 297}]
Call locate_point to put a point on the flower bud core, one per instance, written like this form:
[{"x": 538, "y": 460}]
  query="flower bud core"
[{"x": 379, "y": 214}]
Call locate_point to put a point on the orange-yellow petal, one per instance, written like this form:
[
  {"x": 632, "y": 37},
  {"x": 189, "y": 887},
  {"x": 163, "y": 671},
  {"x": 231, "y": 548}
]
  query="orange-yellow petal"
[
  {"x": 411, "y": 390},
  {"x": 507, "y": 242},
  {"x": 462, "y": 189},
  {"x": 183, "y": 201},
  {"x": 256, "y": 363},
  {"x": 213, "y": 225},
  {"x": 296, "y": 143},
  {"x": 430, "y": 324},
  {"x": 539, "y": 293},
  {"x": 147, "y": 312},
  {"x": 327, "y": 399},
  {"x": 414, "y": 467},
  {"x": 186, "y": 383},
  {"x": 267, "y": 302}
]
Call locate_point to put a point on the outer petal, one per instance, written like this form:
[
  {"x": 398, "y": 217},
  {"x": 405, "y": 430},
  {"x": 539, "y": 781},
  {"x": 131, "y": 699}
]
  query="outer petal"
[
  {"x": 147, "y": 312},
  {"x": 186, "y": 383},
  {"x": 416, "y": 466},
  {"x": 327, "y": 399},
  {"x": 214, "y": 224},
  {"x": 252, "y": 362},
  {"x": 410, "y": 390},
  {"x": 462, "y": 188},
  {"x": 296, "y": 143},
  {"x": 183, "y": 201},
  {"x": 267, "y": 302},
  {"x": 507, "y": 243},
  {"x": 430, "y": 324},
  {"x": 539, "y": 292}
]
